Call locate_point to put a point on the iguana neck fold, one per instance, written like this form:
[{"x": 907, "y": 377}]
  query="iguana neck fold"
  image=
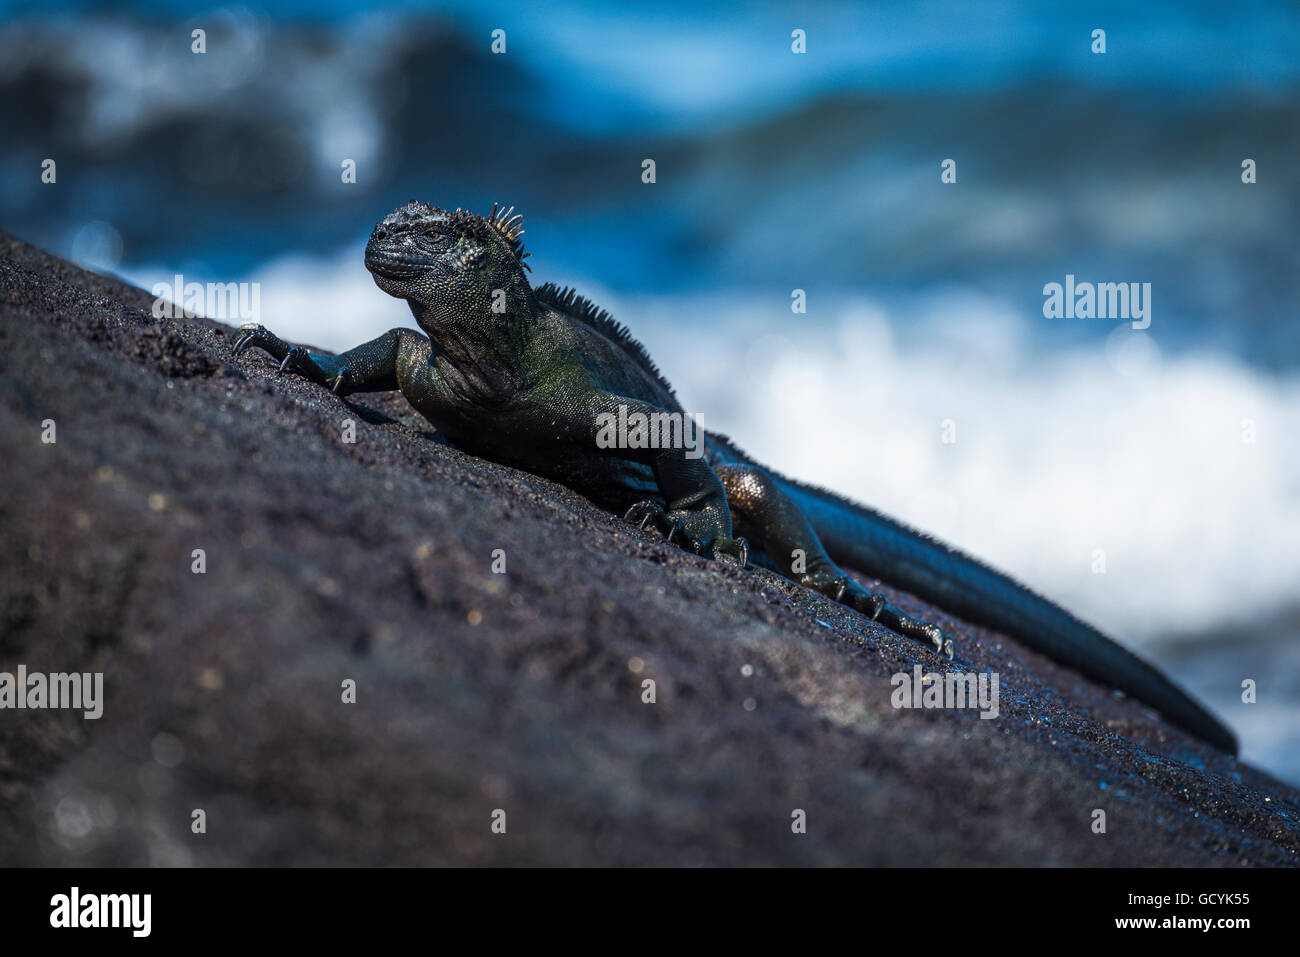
[{"x": 486, "y": 348}]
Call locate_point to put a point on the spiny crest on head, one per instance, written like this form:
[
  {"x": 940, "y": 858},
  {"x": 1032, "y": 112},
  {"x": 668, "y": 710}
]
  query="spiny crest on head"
[
  {"x": 411, "y": 212},
  {"x": 509, "y": 225},
  {"x": 505, "y": 223}
]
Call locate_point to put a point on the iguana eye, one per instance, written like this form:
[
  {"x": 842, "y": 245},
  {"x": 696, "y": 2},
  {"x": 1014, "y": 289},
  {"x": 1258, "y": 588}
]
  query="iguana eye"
[{"x": 432, "y": 235}]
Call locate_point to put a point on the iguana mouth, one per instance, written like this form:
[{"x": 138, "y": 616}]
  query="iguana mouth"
[{"x": 392, "y": 266}]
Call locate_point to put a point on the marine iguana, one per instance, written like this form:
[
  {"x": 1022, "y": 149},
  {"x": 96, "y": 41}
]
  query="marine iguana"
[{"x": 526, "y": 376}]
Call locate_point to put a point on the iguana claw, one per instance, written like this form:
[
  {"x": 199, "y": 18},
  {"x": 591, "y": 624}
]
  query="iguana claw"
[
  {"x": 733, "y": 551},
  {"x": 648, "y": 511},
  {"x": 293, "y": 358},
  {"x": 675, "y": 531},
  {"x": 924, "y": 631},
  {"x": 253, "y": 334},
  {"x": 645, "y": 510},
  {"x": 297, "y": 359},
  {"x": 835, "y": 584},
  {"x": 743, "y": 545}
]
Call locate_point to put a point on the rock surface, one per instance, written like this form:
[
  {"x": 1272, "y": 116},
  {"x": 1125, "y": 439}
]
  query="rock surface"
[{"x": 371, "y": 561}]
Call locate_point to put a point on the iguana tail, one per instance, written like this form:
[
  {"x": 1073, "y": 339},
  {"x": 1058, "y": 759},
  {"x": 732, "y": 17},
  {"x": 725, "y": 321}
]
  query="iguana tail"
[{"x": 867, "y": 541}]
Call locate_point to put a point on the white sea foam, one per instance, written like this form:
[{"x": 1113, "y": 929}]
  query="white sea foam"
[{"x": 1112, "y": 448}]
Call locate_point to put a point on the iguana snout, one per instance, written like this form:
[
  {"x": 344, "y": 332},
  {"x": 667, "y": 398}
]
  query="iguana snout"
[
  {"x": 410, "y": 243},
  {"x": 420, "y": 252}
]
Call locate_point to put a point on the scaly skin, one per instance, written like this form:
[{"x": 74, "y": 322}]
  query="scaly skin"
[{"x": 522, "y": 376}]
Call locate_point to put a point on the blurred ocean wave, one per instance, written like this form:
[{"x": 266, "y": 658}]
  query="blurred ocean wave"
[{"x": 1122, "y": 167}]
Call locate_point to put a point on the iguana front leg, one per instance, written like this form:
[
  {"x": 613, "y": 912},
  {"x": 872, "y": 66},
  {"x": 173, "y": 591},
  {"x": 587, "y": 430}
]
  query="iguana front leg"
[{"x": 371, "y": 367}]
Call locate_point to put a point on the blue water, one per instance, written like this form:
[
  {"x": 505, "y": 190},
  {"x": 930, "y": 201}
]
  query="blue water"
[{"x": 777, "y": 172}]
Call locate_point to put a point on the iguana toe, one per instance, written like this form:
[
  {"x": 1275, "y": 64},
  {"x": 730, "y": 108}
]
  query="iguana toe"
[
  {"x": 876, "y": 606},
  {"x": 295, "y": 360},
  {"x": 646, "y": 511},
  {"x": 676, "y": 529},
  {"x": 868, "y": 603},
  {"x": 843, "y": 589},
  {"x": 244, "y": 339},
  {"x": 733, "y": 551},
  {"x": 257, "y": 335},
  {"x": 936, "y": 636},
  {"x": 925, "y": 631}
]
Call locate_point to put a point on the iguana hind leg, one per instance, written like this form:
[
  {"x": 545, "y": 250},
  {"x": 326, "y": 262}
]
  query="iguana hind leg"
[{"x": 759, "y": 504}]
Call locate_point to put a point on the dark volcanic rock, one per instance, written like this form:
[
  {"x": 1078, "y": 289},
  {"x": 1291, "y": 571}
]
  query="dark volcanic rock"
[{"x": 371, "y": 561}]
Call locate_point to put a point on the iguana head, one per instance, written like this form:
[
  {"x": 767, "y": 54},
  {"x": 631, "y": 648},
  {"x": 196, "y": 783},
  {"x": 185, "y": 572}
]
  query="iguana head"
[{"x": 457, "y": 260}]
